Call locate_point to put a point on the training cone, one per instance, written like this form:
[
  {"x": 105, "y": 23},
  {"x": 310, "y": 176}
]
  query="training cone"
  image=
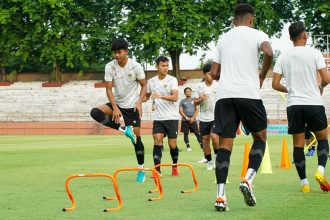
[
  {"x": 266, "y": 166},
  {"x": 245, "y": 159},
  {"x": 285, "y": 161}
]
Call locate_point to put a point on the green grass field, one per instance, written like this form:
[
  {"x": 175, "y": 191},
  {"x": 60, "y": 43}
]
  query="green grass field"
[{"x": 33, "y": 170}]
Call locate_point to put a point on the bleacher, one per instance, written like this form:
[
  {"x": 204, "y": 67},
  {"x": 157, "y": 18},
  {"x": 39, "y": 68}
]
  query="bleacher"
[{"x": 30, "y": 102}]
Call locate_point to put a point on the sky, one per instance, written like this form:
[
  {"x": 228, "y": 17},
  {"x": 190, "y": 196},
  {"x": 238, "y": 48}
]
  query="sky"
[{"x": 192, "y": 62}]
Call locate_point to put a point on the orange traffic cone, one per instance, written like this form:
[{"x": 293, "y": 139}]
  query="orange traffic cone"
[
  {"x": 285, "y": 161},
  {"x": 245, "y": 159}
]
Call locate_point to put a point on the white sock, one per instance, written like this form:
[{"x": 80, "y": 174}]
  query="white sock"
[
  {"x": 140, "y": 166},
  {"x": 250, "y": 174},
  {"x": 304, "y": 182},
  {"x": 221, "y": 190},
  {"x": 122, "y": 129},
  {"x": 321, "y": 169}
]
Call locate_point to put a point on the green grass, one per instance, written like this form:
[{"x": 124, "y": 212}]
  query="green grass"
[{"x": 33, "y": 170}]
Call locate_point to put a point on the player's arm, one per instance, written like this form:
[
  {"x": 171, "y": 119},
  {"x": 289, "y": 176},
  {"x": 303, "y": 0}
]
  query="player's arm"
[
  {"x": 196, "y": 113},
  {"x": 146, "y": 97},
  {"x": 325, "y": 78},
  {"x": 116, "y": 112},
  {"x": 266, "y": 48},
  {"x": 182, "y": 113},
  {"x": 216, "y": 70},
  {"x": 143, "y": 92},
  {"x": 171, "y": 98},
  {"x": 276, "y": 83}
]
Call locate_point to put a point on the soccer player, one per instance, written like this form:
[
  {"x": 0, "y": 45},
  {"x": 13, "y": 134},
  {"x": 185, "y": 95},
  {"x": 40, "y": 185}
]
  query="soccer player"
[
  {"x": 123, "y": 76},
  {"x": 299, "y": 66},
  {"x": 163, "y": 89},
  {"x": 206, "y": 91},
  {"x": 189, "y": 112},
  {"x": 238, "y": 99}
]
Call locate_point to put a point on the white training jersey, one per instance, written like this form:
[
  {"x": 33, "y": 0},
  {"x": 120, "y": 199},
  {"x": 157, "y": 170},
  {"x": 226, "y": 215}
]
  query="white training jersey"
[
  {"x": 238, "y": 52},
  {"x": 299, "y": 67},
  {"x": 165, "y": 110},
  {"x": 125, "y": 81},
  {"x": 207, "y": 106}
]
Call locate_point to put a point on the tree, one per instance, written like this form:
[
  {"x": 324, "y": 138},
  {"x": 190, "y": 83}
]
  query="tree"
[
  {"x": 69, "y": 33},
  {"x": 12, "y": 30},
  {"x": 184, "y": 26},
  {"x": 316, "y": 14}
]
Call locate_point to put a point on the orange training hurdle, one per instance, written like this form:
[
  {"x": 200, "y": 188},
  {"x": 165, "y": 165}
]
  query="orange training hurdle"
[
  {"x": 179, "y": 165},
  {"x": 155, "y": 174},
  {"x": 92, "y": 175}
]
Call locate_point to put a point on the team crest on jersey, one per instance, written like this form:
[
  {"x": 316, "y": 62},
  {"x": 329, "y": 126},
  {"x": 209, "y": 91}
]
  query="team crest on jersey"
[{"x": 165, "y": 85}]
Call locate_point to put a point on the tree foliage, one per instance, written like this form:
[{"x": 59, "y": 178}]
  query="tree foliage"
[
  {"x": 58, "y": 33},
  {"x": 184, "y": 26},
  {"x": 74, "y": 34},
  {"x": 316, "y": 15}
]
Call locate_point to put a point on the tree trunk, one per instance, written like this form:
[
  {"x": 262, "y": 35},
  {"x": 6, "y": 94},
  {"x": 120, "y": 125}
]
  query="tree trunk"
[
  {"x": 175, "y": 57},
  {"x": 57, "y": 72},
  {"x": 3, "y": 74}
]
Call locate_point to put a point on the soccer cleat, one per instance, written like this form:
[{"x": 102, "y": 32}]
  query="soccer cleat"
[
  {"x": 247, "y": 192},
  {"x": 130, "y": 134},
  {"x": 189, "y": 149},
  {"x": 210, "y": 165},
  {"x": 141, "y": 177},
  {"x": 203, "y": 160},
  {"x": 221, "y": 205},
  {"x": 322, "y": 180},
  {"x": 310, "y": 152},
  {"x": 305, "y": 188},
  {"x": 175, "y": 171}
]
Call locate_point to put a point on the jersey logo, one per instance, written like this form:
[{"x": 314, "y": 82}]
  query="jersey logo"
[{"x": 165, "y": 85}]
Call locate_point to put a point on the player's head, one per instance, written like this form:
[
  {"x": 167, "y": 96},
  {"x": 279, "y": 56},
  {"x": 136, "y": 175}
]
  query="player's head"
[
  {"x": 119, "y": 49},
  {"x": 162, "y": 65},
  {"x": 243, "y": 14},
  {"x": 297, "y": 32},
  {"x": 207, "y": 73},
  {"x": 187, "y": 91}
]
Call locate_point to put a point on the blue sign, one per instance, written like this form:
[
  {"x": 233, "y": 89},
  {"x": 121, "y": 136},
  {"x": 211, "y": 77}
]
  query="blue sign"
[{"x": 277, "y": 129}]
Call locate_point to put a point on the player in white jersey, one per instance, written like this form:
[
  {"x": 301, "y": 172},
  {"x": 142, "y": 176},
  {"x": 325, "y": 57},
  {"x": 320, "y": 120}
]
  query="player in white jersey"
[
  {"x": 206, "y": 98},
  {"x": 163, "y": 89},
  {"x": 123, "y": 76},
  {"x": 238, "y": 99},
  {"x": 299, "y": 66}
]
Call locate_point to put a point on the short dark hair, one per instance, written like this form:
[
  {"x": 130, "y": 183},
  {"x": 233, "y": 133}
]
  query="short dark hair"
[
  {"x": 295, "y": 29},
  {"x": 185, "y": 89},
  {"x": 119, "y": 44},
  {"x": 242, "y": 9},
  {"x": 161, "y": 59},
  {"x": 207, "y": 67}
]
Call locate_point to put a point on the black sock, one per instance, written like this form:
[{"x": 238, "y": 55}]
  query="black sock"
[
  {"x": 104, "y": 119},
  {"x": 199, "y": 139},
  {"x": 215, "y": 151},
  {"x": 299, "y": 161},
  {"x": 139, "y": 151},
  {"x": 186, "y": 139},
  {"x": 208, "y": 157},
  {"x": 256, "y": 154},
  {"x": 222, "y": 165},
  {"x": 322, "y": 152},
  {"x": 157, "y": 153},
  {"x": 175, "y": 155}
]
